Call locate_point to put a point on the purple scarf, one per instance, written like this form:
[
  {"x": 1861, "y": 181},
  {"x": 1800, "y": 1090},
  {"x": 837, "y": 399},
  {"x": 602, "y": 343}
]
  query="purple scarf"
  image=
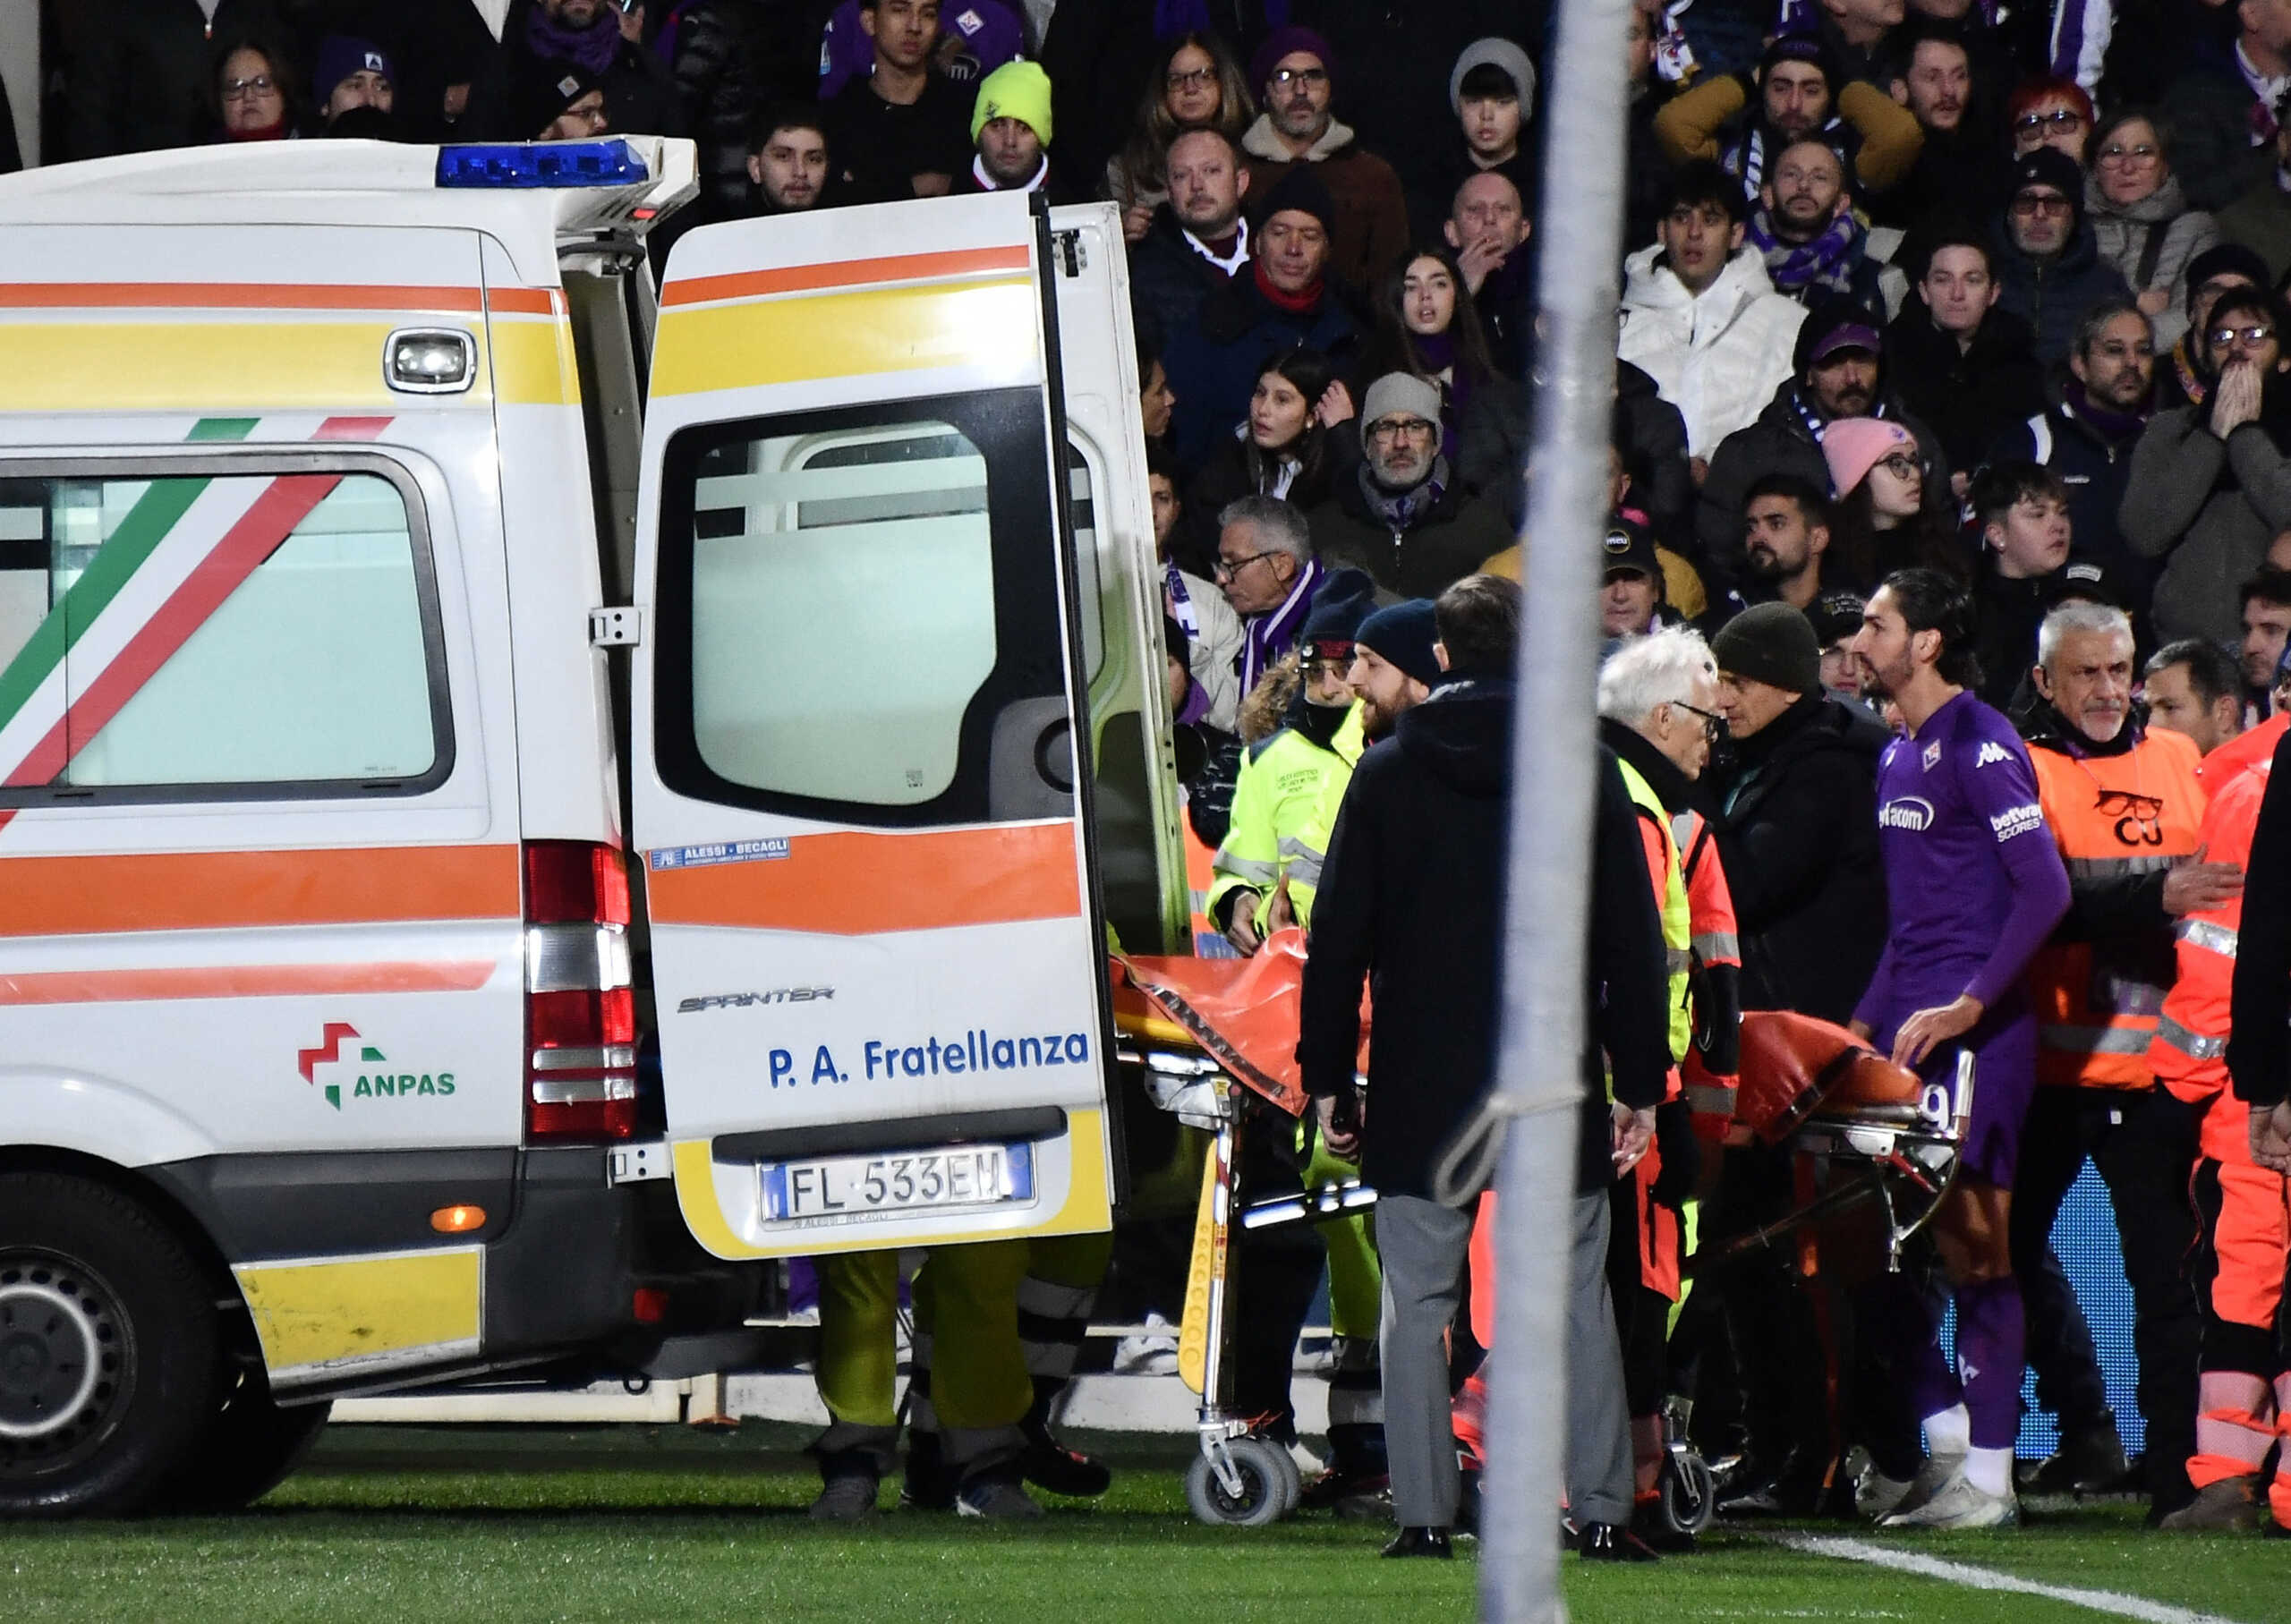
[
  {"x": 593, "y": 47},
  {"x": 1827, "y": 262},
  {"x": 1271, "y": 634}
]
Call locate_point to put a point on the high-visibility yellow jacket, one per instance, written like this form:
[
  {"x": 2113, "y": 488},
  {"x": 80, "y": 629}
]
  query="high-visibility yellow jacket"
[{"x": 1275, "y": 833}]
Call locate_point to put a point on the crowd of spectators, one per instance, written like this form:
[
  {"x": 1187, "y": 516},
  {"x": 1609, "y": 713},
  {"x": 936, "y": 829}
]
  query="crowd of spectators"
[{"x": 1951, "y": 357}]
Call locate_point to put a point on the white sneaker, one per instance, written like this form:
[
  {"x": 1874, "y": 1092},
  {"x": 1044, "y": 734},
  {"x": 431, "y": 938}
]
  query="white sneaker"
[
  {"x": 1931, "y": 1478},
  {"x": 1957, "y": 1504},
  {"x": 1877, "y": 1496},
  {"x": 1147, "y": 1353}
]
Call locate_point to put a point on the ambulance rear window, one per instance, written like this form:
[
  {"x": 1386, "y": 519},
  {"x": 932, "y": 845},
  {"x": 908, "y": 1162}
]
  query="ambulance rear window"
[
  {"x": 229, "y": 630},
  {"x": 860, "y": 613}
]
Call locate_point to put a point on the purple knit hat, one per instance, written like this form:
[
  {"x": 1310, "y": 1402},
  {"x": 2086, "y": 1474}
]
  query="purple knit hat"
[{"x": 1284, "y": 42}]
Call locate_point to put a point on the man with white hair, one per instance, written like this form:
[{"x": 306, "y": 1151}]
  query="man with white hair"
[
  {"x": 1267, "y": 572},
  {"x": 1658, "y": 712},
  {"x": 2125, "y": 806}
]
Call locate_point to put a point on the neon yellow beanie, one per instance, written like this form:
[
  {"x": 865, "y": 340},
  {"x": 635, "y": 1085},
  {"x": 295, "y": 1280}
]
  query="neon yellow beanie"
[{"x": 1016, "y": 89}]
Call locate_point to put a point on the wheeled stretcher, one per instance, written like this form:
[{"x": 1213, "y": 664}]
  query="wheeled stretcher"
[{"x": 1215, "y": 1042}]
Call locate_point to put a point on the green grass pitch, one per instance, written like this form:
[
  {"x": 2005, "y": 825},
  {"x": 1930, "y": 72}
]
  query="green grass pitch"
[{"x": 503, "y": 1526}]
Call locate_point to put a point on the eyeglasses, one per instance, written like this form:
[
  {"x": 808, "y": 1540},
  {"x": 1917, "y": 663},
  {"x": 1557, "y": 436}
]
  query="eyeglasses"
[
  {"x": 2223, "y": 336},
  {"x": 1227, "y": 568},
  {"x": 1902, "y": 466},
  {"x": 1285, "y": 77},
  {"x": 2114, "y": 154},
  {"x": 246, "y": 89},
  {"x": 1394, "y": 428},
  {"x": 2059, "y": 118},
  {"x": 1713, "y": 723},
  {"x": 1192, "y": 79},
  {"x": 2032, "y": 203}
]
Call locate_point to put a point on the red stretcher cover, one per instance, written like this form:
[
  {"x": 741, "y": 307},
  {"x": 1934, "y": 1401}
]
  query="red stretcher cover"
[
  {"x": 1793, "y": 1064},
  {"x": 1241, "y": 1012}
]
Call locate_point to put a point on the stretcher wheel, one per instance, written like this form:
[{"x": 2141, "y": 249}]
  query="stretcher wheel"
[
  {"x": 1690, "y": 1492},
  {"x": 1269, "y": 1485}
]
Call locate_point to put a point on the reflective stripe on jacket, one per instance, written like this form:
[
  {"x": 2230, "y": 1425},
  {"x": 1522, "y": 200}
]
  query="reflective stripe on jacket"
[
  {"x": 2191, "y": 1042},
  {"x": 1275, "y": 833},
  {"x": 1714, "y": 980},
  {"x": 1664, "y": 873},
  {"x": 2114, "y": 817}
]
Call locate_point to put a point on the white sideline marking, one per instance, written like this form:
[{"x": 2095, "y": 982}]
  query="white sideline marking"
[{"x": 1988, "y": 1578}]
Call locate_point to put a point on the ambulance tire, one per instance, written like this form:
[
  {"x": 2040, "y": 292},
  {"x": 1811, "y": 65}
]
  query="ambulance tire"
[
  {"x": 108, "y": 1343},
  {"x": 249, "y": 1444},
  {"x": 1265, "y": 1496}
]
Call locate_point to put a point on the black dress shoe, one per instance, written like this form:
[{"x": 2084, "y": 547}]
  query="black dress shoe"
[
  {"x": 1605, "y": 1543},
  {"x": 1421, "y": 1541}
]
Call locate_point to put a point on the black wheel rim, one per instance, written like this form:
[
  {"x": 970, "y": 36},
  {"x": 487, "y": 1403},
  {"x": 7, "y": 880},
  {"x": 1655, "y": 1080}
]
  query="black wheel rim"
[
  {"x": 1257, "y": 1488},
  {"x": 67, "y": 1364}
]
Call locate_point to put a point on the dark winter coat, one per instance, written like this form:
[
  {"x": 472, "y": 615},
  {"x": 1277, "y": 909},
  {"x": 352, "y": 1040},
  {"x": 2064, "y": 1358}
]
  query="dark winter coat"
[
  {"x": 2210, "y": 108},
  {"x": 1169, "y": 280},
  {"x": 640, "y": 92},
  {"x": 2207, "y": 508},
  {"x": 2052, "y": 294},
  {"x": 1213, "y": 361},
  {"x": 1969, "y": 396},
  {"x": 139, "y": 71},
  {"x": 2094, "y": 466},
  {"x": 1798, "y": 832},
  {"x": 717, "y": 75},
  {"x": 1411, "y": 901},
  {"x": 1779, "y": 442},
  {"x": 1451, "y": 540},
  {"x": 2261, "y": 221}
]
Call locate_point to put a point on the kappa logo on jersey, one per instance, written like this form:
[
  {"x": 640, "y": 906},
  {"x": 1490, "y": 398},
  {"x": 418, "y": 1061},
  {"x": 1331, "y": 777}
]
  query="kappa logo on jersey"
[
  {"x": 370, "y": 1085},
  {"x": 1991, "y": 750},
  {"x": 2016, "y": 821},
  {"x": 1911, "y": 812}
]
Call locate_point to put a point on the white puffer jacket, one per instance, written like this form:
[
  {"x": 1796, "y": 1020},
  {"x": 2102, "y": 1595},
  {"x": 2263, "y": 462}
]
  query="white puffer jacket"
[{"x": 1719, "y": 357}]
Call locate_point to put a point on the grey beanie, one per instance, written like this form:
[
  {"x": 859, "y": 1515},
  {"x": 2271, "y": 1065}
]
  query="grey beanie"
[
  {"x": 1771, "y": 644},
  {"x": 1497, "y": 52},
  {"x": 1401, "y": 392}
]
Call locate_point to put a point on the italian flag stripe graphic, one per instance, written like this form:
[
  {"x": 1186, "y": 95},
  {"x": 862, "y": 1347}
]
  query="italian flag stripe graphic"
[{"x": 183, "y": 548}]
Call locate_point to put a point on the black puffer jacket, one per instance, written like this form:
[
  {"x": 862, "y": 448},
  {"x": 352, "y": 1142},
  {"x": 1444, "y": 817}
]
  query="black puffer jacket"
[
  {"x": 717, "y": 87},
  {"x": 1798, "y": 831},
  {"x": 1449, "y": 540}
]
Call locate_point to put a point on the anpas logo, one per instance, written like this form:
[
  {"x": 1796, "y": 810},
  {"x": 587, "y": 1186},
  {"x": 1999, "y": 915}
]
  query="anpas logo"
[
  {"x": 372, "y": 1082},
  {"x": 1911, "y": 812}
]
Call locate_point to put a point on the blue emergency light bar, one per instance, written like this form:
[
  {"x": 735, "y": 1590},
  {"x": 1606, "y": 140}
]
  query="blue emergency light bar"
[{"x": 511, "y": 164}]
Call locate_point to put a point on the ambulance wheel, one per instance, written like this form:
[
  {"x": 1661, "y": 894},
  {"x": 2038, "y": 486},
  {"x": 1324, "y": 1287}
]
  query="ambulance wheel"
[
  {"x": 1265, "y": 1494},
  {"x": 107, "y": 1348},
  {"x": 249, "y": 1444}
]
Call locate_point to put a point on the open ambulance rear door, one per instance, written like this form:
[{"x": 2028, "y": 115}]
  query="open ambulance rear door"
[{"x": 877, "y": 946}]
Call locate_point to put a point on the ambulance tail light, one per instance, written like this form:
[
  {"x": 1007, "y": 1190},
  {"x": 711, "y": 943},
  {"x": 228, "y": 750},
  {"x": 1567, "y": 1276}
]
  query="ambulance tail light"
[
  {"x": 524, "y": 165},
  {"x": 580, "y": 1008}
]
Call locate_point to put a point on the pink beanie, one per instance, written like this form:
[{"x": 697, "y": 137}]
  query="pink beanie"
[{"x": 1852, "y": 445}]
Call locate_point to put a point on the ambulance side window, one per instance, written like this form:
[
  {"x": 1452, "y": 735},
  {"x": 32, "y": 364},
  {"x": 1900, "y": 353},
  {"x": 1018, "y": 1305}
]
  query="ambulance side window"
[
  {"x": 219, "y": 633},
  {"x": 859, "y": 607}
]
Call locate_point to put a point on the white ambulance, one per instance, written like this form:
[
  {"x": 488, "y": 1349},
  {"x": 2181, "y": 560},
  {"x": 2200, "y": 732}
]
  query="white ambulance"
[{"x": 522, "y": 799}]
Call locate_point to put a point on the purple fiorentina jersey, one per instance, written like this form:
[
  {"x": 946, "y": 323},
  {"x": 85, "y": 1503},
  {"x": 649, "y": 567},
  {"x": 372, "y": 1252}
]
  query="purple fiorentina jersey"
[{"x": 1973, "y": 880}]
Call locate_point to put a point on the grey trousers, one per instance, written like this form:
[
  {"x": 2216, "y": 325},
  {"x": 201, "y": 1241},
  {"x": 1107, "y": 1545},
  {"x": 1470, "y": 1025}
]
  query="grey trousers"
[{"x": 1424, "y": 1246}]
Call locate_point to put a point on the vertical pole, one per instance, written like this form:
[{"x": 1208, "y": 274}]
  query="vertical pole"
[{"x": 1539, "y": 1088}]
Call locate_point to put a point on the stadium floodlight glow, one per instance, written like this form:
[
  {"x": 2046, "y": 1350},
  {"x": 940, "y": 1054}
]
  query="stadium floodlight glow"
[{"x": 519, "y": 164}]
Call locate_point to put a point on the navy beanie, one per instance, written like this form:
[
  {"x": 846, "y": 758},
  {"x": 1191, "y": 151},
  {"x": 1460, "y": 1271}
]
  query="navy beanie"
[{"x": 1402, "y": 635}]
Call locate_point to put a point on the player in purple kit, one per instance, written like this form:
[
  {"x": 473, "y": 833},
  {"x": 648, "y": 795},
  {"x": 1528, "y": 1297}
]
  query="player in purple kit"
[{"x": 1973, "y": 886}]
